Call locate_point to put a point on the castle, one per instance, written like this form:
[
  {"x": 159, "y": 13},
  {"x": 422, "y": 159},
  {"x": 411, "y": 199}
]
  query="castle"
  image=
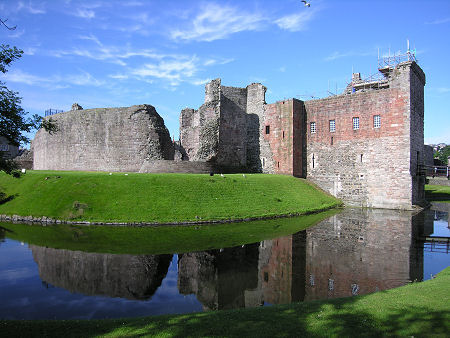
[{"x": 364, "y": 146}]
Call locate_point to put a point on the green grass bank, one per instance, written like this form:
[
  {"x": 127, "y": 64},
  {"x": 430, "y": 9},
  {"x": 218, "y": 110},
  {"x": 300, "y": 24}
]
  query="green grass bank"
[
  {"x": 162, "y": 198},
  {"x": 417, "y": 309}
]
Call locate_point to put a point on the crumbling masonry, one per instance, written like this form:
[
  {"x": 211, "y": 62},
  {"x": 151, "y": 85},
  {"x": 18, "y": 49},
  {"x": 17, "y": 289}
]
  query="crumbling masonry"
[{"x": 364, "y": 146}]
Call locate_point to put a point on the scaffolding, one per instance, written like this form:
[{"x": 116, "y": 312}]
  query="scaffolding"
[{"x": 380, "y": 80}]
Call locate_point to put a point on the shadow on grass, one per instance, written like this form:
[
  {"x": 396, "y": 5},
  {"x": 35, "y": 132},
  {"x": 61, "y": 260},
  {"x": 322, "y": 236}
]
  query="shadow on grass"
[
  {"x": 432, "y": 195},
  {"x": 4, "y": 199},
  {"x": 340, "y": 317}
]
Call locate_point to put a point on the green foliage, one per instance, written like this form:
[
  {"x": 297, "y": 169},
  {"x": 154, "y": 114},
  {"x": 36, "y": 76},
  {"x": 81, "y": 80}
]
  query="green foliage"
[
  {"x": 414, "y": 310},
  {"x": 13, "y": 120},
  {"x": 443, "y": 154},
  {"x": 159, "y": 197}
]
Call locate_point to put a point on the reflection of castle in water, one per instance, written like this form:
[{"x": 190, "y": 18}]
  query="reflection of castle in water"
[
  {"x": 355, "y": 252},
  {"x": 350, "y": 253},
  {"x": 125, "y": 276}
]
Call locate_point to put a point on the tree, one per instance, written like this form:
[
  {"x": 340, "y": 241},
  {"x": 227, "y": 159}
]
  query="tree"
[
  {"x": 443, "y": 154},
  {"x": 13, "y": 120}
]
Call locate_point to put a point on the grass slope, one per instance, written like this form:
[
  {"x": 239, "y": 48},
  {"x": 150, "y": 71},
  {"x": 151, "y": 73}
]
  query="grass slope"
[
  {"x": 418, "y": 309},
  {"x": 158, "y": 240},
  {"x": 437, "y": 193},
  {"x": 157, "y": 197}
]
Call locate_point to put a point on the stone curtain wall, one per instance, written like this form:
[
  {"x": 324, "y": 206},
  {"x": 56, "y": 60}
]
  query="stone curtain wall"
[
  {"x": 108, "y": 139},
  {"x": 369, "y": 167}
]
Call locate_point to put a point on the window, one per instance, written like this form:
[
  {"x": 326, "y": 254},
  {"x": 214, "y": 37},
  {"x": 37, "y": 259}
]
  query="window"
[
  {"x": 267, "y": 129},
  {"x": 332, "y": 126},
  {"x": 313, "y": 127},
  {"x": 355, "y": 123},
  {"x": 376, "y": 121},
  {"x": 283, "y": 134},
  {"x": 4, "y": 147}
]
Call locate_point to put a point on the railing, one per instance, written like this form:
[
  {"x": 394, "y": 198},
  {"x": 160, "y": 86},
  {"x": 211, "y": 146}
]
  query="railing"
[
  {"x": 50, "y": 112},
  {"x": 434, "y": 171}
]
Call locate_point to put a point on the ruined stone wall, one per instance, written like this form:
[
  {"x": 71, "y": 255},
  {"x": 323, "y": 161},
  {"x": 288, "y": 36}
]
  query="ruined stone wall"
[
  {"x": 369, "y": 166},
  {"x": 107, "y": 139},
  {"x": 257, "y": 147},
  {"x": 232, "y": 149},
  {"x": 199, "y": 129}
]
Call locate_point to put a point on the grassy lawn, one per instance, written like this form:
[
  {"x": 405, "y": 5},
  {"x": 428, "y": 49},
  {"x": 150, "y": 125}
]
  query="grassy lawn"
[
  {"x": 133, "y": 197},
  {"x": 158, "y": 240},
  {"x": 437, "y": 193},
  {"x": 418, "y": 309}
]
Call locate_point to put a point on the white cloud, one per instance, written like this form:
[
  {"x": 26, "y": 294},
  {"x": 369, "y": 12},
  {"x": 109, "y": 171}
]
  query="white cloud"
[
  {"x": 83, "y": 79},
  {"x": 297, "y": 21},
  {"x": 114, "y": 54},
  {"x": 199, "y": 82},
  {"x": 85, "y": 13},
  {"x": 443, "y": 90},
  {"x": 438, "y": 21},
  {"x": 216, "y": 22},
  {"x": 175, "y": 70},
  {"x": 29, "y": 8},
  {"x": 54, "y": 81},
  {"x": 337, "y": 55}
]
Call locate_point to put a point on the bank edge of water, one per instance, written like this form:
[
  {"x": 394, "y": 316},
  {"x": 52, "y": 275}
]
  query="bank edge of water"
[
  {"x": 417, "y": 309},
  {"x": 46, "y": 220},
  {"x": 85, "y": 198}
]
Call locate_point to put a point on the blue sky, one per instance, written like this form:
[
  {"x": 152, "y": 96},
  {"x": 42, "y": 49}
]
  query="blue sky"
[{"x": 121, "y": 53}]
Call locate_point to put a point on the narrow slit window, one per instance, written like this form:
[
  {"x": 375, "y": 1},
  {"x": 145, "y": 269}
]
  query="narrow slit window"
[
  {"x": 331, "y": 140},
  {"x": 283, "y": 134},
  {"x": 332, "y": 126},
  {"x": 376, "y": 121},
  {"x": 313, "y": 127},
  {"x": 361, "y": 158},
  {"x": 267, "y": 129},
  {"x": 355, "y": 123},
  {"x": 313, "y": 161}
]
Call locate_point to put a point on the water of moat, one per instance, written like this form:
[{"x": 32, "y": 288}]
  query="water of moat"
[{"x": 352, "y": 253}]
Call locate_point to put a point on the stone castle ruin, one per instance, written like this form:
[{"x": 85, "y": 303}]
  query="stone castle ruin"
[{"x": 364, "y": 146}]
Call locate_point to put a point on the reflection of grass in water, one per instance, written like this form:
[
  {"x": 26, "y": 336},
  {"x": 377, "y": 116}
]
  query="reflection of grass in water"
[
  {"x": 437, "y": 193},
  {"x": 96, "y": 196},
  {"x": 414, "y": 310},
  {"x": 158, "y": 240}
]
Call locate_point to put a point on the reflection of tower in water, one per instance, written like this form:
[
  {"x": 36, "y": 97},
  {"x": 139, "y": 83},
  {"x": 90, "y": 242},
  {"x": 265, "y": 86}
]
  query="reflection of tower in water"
[
  {"x": 355, "y": 252},
  {"x": 360, "y": 251}
]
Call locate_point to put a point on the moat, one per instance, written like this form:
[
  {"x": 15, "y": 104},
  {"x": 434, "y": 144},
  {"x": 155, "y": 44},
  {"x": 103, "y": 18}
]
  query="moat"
[{"x": 354, "y": 252}]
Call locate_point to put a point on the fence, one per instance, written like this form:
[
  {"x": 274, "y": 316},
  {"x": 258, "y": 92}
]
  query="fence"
[{"x": 50, "y": 112}]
